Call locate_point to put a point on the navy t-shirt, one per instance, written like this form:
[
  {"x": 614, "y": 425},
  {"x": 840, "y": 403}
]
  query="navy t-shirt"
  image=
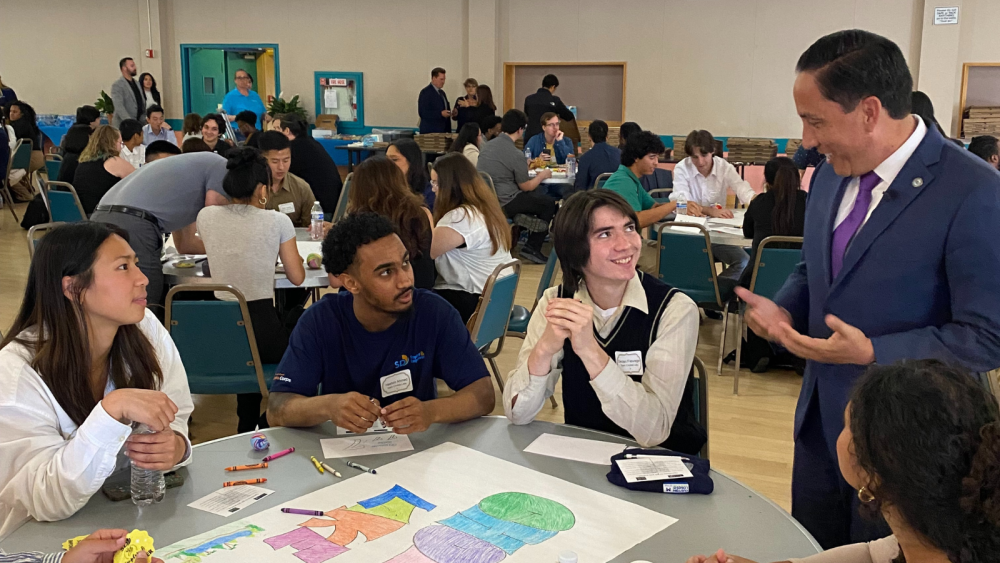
[{"x": 330, "y": 346}]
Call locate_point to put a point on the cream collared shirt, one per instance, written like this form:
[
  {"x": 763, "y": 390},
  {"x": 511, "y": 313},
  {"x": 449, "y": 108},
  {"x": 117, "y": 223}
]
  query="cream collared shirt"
[
  {"x": 690, "y": 185},
  {"x": 646, "y": 408}
]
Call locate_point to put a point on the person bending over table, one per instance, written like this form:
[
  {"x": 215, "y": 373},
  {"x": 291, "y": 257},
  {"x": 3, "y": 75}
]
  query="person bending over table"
[
  {"x": 160, "y": 149},
  {"x": 99, "y": 547},
  {"x": 377, "y": 348},
  {"x": 551, "y": 143},
  {"x": 622, "y": 341},
  {"x": 84, "y": 360},
  {"x": 640, "y": 158},
  {"x": 921, "y": 446}
]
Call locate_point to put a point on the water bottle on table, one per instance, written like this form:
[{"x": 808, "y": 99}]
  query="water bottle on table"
[
  {"x": 316, "y": 227},
  {"x": 571, "y": 166},
  {"x": 682, "y": 207},
  {"x": 527, "y": 156},
  {"x": 147, "y": 484}
]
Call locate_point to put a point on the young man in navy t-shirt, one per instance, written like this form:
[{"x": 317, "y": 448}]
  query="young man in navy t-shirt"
[{"x": 377, "y": 349}]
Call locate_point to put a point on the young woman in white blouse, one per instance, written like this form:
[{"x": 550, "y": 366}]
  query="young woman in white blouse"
[
  {"x": 83, "y": 361},
  {"x": 921, "y": 445},
  {"x": 471, "y": 235}
]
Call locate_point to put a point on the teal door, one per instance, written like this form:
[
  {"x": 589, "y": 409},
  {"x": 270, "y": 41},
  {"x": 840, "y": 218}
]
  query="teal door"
[
  {"x": 236, "y": 61},
  {"x": 207, "y": 79}
]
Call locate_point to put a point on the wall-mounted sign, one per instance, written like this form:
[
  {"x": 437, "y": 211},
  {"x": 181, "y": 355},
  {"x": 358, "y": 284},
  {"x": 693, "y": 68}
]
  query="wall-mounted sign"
[
  {"x": 946, "y": 16},
  {"x": 336, "y": 81}
]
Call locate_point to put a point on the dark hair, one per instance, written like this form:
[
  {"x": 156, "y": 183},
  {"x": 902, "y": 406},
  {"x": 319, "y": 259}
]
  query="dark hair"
[
  {"x": 219, "y": 121},
  {"x": 485, "y": 96},
  {"x": 129, "y": 128},
  {"x": 121, "y": 63},
  {"x": 378, "y": 186},
  {"x": 293, "y": 122},
  {"x": 467, "y": 135},
  {"x": 921, "y": 105},
  {"x": 627, "y": 129},
  {"x": 246, "y": 169},
  {"x": 28, "y": 114},
  {"x": 192, "y": 124},
  {"x": 852, "y": 65},
  {"x": 984, "y": 146},
  {"x": 928, "y": 435},
  {"x": 641, "y": 144},
  {"x": 416, "y": 176},
  {"x": 437, "y": 70},
  {"x": 161, "y": 147},
  {"x": 513, "y": 121},
  {"x": 348, "y": 235},
  {"x": 152, "y": 90},
  {"x": 489, "y": 122},
  {"x": 571, "y": 231},
  {"x": 195, "y": 144},
  {"x": 86, "y": 115},
  {"x": 782, "y": 177},
  {"x": 250, "y": 76},
  {"x": 598, "y": 131},
  {"x": 247, "y": 116},
  {"x": 60, "y": 345},
  {"x": 549, "y": 81},
  {"x": 272, "y": 141},
  {"x": 155, "y": 108},
  {"x": 699, "y": 139}
]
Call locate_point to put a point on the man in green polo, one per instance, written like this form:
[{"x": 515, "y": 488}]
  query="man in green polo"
[{"x": 639, "y": 158}]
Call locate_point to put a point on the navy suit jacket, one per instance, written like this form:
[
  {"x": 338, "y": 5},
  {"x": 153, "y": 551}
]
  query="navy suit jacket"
[
  {"x": 430, "y": 104},
  {"x": 919, "y": 278}
]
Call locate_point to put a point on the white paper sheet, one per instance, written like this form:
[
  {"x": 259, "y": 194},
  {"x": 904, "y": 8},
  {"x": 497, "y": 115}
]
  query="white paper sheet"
[
  {"x": 378, "y": 427},
  {"x": 444, "y": 481},
  {"x": 735, "y": 231},
  {"x": 576, "y": 449},
  {"x": 330, "y": 98},
  {"x": 736, "y": 221},
  {"x": 653, "y": 468},
  {"x": 230, "y": 500},
  {"x": 691, "y": 220},
  {"x": 365, "y": 444}
]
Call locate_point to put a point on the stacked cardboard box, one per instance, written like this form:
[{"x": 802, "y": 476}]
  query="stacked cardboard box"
[
  {"x": 750, "y": 151},
  {"x": 792, "y": 146},
  {"x": 435, "y": 142},
  {"x": 982, "y": 121}
]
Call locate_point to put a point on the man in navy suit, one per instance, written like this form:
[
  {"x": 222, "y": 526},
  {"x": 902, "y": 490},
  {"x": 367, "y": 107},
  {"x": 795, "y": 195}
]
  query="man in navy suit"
[
  {"x": 433, "y": 107},
  {"x": 900, "y": 260}
]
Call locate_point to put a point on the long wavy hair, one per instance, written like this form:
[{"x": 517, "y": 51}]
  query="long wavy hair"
[
  {"x": 928, "y": 436},
  {"x": 153, "y": 91},
  {"x": 460, "y": 185},
  {"x": 379, "y": 186},
  {"x": 53, "y": 327},
  {"x": 783, "y": 181},
  {"x": 103, "y": 144}
]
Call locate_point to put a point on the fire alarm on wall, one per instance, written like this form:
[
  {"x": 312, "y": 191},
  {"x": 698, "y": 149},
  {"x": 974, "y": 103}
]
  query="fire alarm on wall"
[{"x": 149, "y": 53}]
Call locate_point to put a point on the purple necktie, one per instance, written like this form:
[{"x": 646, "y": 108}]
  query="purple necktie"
[{"x": 844, "y": 232}]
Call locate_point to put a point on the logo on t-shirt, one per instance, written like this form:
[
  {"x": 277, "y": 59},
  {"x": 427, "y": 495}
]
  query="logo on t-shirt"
[
  {"x": 281, "y": 377},
  {"x": 410, "y": 359}
]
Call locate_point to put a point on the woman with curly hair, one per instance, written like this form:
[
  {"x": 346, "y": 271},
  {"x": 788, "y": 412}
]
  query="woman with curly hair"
[{"x": 921, "y": 445}]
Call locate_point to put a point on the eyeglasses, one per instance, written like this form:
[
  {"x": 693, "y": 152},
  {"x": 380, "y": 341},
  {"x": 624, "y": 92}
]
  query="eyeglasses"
[
  {"x": 551, "y": 125},
  {"x": 242, "y": 78}
]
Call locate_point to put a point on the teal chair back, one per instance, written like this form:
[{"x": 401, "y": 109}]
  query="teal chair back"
[
  {"x": 53, "y": 163},
  {"x": 601, "y": 179},
  {"x": 772, "y": 266},
  {"x": 63, "y": 203},
  {"x": 216, "y": 343},
  {"x": 35, "y": 234},
  {"x": 21, "y": 157},
  {"x": 342, "y": 201},
  {"x": 685, "y": 261},
  {"x": 548, "y": 273},
  {"x": 490, "y": 323},
  {"x": 520, "y": 316}
]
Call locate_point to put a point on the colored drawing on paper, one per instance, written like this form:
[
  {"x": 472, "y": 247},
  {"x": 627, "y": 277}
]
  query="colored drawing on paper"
[
  {"x": 486, "y": 533},
  {"x": 203, "y": 545}
]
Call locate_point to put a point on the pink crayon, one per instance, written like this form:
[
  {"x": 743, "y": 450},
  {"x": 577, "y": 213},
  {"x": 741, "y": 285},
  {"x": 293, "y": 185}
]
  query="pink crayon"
[{"x": 279, "y": 454}]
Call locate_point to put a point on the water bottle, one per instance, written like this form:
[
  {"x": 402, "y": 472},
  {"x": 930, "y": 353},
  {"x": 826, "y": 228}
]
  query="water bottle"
[
  {"x": 527, "y": 156},
  {"x": 147, "y": 484},
  {"x": 316, "y": 228},
  {"x": 571, "y": 165},
  {"x": 682, "y": 207}
]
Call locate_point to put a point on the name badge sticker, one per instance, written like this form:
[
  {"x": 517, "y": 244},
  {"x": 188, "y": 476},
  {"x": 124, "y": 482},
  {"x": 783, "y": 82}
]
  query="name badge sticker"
[
  {"x": 629, "y": 362},
  {"x": 286, "y": 207},
  {"x": 395, "y": 383}
]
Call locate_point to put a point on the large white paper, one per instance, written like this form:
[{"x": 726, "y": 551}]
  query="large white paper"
[
  {"x": 653, "y": 468},
  {"x": 690, "y": 219},
  {"x": 736, "y": 221},
  {"x": 365, "y": 444},
  {"x": 230, "y": 500},
  {"x": 576, "y": 449},
  {"x": 426, "y": 499}
]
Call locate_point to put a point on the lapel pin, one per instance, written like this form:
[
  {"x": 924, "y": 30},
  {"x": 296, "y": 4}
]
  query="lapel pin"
[{"x": 917, "y": 182}]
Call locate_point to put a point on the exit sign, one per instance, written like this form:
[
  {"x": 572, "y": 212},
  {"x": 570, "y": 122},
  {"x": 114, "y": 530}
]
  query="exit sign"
[{"x": 336, "y": 82}]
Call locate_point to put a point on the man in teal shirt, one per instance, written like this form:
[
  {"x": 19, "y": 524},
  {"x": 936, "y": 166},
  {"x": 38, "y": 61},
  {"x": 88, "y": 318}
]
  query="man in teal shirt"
[
  {"x": 639, "y": 158},
  {"x": 242, "y": 98}
]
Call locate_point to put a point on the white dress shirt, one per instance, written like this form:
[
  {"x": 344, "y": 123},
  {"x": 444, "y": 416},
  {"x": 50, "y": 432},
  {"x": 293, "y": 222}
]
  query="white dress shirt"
[
  {"x": 887, "y": 172},
  {"x": 645, "y": 409},
  {"x": 690, "y": 185},
  {"x": 50, "y": 467},
  {"x": 136, "y": 157}
]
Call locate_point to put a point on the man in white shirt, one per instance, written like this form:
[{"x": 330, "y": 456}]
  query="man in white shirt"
[
  {"x": 622, "y": 341},
  {"x": 132, "y": 148},
  {"x": 702, "y": 180}
]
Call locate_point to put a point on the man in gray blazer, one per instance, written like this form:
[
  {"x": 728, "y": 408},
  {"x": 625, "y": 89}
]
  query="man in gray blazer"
[{"x": 127, "y": 95}]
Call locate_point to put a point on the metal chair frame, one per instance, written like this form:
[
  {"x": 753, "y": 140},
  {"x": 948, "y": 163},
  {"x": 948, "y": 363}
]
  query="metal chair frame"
[
  {"x": 69, "y": 187},
  {"x": 41, "y": 227},
  {"x": 477, "y": 317}
]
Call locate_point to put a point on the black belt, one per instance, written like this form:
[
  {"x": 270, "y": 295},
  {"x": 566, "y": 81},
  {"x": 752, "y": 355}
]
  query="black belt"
[{"x": 133, "y": 211}]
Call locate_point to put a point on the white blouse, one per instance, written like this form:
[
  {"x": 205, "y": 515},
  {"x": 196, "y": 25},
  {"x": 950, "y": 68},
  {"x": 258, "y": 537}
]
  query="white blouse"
[{"x": 49, "y": 467}]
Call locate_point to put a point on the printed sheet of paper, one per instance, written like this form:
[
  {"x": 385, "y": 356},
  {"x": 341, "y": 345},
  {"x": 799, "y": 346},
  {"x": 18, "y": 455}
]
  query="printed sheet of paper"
[
  {"x": 230, "y": 500},
  {"x": 576, "y": 449},
  {"x": 655, "y": 468},
  {"x": 448, "y": 504},
  {"x": 703, "y": 221},
  {"x": 365, "y": 444}
]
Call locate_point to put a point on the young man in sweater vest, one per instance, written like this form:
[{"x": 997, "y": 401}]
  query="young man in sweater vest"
[{"x": 622, "y": 341}]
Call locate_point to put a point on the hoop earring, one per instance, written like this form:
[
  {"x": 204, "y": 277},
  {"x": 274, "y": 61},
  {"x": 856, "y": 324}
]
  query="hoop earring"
[
  {"x": 262, "y": 201},
  {"x": 865, "y": 496}
]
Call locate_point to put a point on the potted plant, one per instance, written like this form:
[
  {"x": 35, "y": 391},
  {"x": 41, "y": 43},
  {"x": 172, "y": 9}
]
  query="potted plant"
[
  {"x": 105, "y": 105},
  {"x": 279, "y": 106}
]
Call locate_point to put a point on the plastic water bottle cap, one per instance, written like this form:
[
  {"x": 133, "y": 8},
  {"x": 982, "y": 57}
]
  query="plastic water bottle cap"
[{"x": 568, "y": 557}]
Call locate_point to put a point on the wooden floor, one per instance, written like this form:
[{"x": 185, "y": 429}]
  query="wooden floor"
[{"x": 750, "y": 435}]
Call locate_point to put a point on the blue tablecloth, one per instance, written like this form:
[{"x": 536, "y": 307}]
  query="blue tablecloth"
[
  {"x": 340, "y": 157},
  {"x": 55, "y": 133}
]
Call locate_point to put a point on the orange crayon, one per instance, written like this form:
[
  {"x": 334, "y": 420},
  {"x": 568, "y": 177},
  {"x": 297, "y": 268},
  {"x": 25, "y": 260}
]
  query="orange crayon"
[
  {"x": 247, "y": 482},
  {"x": 245, "y": 467}
]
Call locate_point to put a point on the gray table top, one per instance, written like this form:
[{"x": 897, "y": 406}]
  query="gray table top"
[
  {"x": 733, "y": 517},
  {"x": 314, "y": 278}
]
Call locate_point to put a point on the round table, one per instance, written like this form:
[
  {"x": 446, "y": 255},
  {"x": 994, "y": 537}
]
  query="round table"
[
  {"x": 733, "y": 517},
  {"x": 172, "y": 275},
  {"x": 717, "y": 236}
]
